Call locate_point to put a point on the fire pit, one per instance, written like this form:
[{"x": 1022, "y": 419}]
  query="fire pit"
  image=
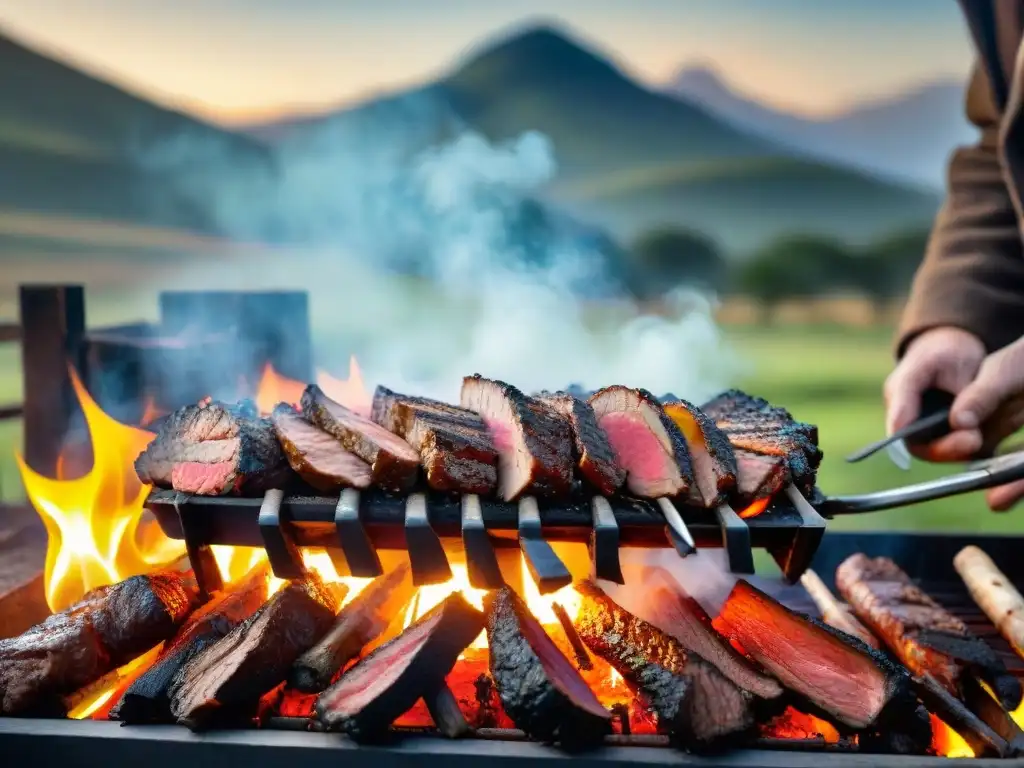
[{"x": 449, "y": 602}]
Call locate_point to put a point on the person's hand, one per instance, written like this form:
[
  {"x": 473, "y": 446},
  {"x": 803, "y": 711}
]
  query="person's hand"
[{"x": 946, "y": 358}]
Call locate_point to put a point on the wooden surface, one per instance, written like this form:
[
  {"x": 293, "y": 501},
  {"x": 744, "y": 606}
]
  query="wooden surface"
[{"x": 22, "y": 557}]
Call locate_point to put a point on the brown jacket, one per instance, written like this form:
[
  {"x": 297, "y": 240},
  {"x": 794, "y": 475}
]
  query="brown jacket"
[{"x": 973, "y": 273}]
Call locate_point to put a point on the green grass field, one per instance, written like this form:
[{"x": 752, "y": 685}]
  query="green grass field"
[{"x": 827, "y": 375}]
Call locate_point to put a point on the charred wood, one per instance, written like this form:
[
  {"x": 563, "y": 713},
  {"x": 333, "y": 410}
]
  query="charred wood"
[
  {"x": 579, "y": 650},
  {"x": 444, "y": 711}
]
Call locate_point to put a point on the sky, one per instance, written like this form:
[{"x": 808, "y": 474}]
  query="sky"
[{"x": 236, "y": 61}]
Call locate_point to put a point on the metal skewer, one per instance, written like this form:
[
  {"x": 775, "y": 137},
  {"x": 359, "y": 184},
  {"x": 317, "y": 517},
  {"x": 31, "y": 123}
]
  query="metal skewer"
[{"x": 677, "y": 530}]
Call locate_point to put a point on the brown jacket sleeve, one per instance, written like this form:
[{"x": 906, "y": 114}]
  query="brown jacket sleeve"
[{"x": 972, "y": 275}]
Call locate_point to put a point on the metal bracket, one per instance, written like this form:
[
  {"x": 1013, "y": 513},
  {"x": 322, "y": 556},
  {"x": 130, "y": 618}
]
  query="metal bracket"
[
  {"x": 204, "y": 565},
  {"x": 796, "y": 558},
  {"x": 736, "y": 540},
  {"x": 481, "y": 561},
  {"x": 360, "y": 556},
  {"x": 604, "y": 542},
  {"x": 426, "y": 555},
  {"x": 284, "y": 556},
  {"x": 548, "y": 572}
]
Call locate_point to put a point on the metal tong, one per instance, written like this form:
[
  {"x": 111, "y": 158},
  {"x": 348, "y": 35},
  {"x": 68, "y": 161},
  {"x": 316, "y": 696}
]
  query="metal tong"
[
  {"x": 979, "y": 476},
  {"x": 932, "y": 424}
]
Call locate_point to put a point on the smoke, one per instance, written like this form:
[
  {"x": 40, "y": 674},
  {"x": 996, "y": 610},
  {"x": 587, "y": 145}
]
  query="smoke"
[{"x": 429, "y": 252}]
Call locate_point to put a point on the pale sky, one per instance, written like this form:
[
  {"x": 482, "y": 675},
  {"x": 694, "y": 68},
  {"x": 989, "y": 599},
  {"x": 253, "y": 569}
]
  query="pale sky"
[{"x": 233, "y": 60}]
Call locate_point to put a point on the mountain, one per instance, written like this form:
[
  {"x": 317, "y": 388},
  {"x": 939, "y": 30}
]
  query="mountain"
[
  {"x": 908, "y": 136},
  {"x": 73, "y": 144},
  {"x": 628, "y": 157}
]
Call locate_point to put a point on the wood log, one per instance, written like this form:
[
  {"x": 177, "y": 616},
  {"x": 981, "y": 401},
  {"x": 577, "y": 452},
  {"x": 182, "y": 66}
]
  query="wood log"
[
  {"x": 359, "y": 622},
  {"x": 444, "y": 711},
  {"x": 994, "y": 594},
  {"x": 834, "y": 613}
]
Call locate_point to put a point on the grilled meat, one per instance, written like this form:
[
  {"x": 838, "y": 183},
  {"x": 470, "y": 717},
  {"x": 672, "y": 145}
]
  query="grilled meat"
[
  {"x": 924, "y": 635},
  {"x": 105, "y": 630},
  {"x": 227, "y": 678},
  {"x": 534, "y": 444},
  {"x": 370, "y": 695},
  {"x": 539, "y": 688},
  {"x": 316, "y": 456},
  {"x": 394, "y": 464},
  {"x": 733, "y": 403},
  {"x": 146, "y": 699},
  {"x": 359, "y": 622},
  {"x": 852, "y": 683},
  {"x": 456, "y": 450},
  {"x": 714, "y": 464},
  {"x": 593, "y": 453},
  {"x": 212, "y": 450},
  {"x": 695, "y": 703},
  {"x": 758, "y": 477},
  {"x": 646, "y": 441}
]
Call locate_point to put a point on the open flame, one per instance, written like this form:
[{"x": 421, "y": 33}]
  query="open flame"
[
  {"x": 756, "y": 508},
  {"x": 351, "y": 392}
]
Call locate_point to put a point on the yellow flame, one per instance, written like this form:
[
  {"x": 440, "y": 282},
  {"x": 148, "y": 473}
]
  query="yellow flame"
[{"x": 92, "y": 522}]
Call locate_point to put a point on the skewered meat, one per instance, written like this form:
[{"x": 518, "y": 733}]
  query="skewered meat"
[
  {"x": 394, "y": 465},
  {"x": 714, "y": 464},
  {"x": 646, "y": 441},
  {"x": 924, "y": 635},
  {"x": 106, "y": 629},
  {"x": 534, "y": 444},
  {"x": 695, "y": 703},
  {"x": 212, "y": 450},
  {"x": 593, "y": 453},
  {"x": 369, "y": 696},
  {"x": 456, "y": 450},
  {"x": 539, "y": 688},
  {"x": 227, "y": 679},
  {"x": 316, "y": 456}
]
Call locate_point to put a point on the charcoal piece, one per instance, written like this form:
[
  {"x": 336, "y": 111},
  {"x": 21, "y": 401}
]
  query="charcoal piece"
[
  {"x": 539, "y": 688},
  {"x": 593, "y": 453},
  {"x": 394, "y": 464},
  {"x": 371, "y": 694},
  {"x": 106, "y": 629},
  {"x": 714, "y": 463},
  {"x": 758, "y": 477},
  {"x": 316, "y": 456},
  {"x": 225, "y": 681},
  {"x": 925, "y": 636},
  {"x": 456, "y": 450},
  {"x": 667, "y": 606},
  {"x": 146, "y": 700},
  {"x": 697, "y": 705},
  {"x": 534, "y": 444},
  {"x": 359, "y": 622},
  {"x": 853, "y": 684},
  {"x": 214, "y": 449},
  {"x": 646, "y": 441}
]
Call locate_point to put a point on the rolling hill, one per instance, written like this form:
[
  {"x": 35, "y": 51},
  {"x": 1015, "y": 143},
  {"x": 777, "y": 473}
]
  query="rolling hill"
[
  {"x": 628, "y": 157},
  {"x": 73, "y": 144},
  {"x": 907, "y": 136}
]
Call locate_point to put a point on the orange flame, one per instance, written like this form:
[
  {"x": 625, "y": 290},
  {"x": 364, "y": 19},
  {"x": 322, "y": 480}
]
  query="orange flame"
[
  {"x": 756, "y": 508},
  {"x": 93, "y": 522},
  {"x": 275, "y": 388},
  {"x": 351, "y": 392}
]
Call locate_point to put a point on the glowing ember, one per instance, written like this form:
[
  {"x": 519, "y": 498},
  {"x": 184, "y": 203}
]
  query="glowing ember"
[
  {"x": 351, "y": 392},
  {"x": 93, "y": 522},
  {"x": 947, "y": 742},
  {"x": 756, "y": 508}
]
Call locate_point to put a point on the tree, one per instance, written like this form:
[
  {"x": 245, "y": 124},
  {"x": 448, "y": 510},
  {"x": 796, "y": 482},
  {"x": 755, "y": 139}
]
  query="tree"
[
  {"x": 888, "y": 265},
  {"x": 664, "y": 259}
]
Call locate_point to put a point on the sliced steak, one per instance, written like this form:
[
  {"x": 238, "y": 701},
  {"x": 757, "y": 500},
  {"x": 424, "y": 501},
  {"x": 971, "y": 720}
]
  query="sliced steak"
[
  {"x": 646, "y": 441},
  {"x": 534, "y": 444},
  {"x": 593, "y": 452},
  {"x": 924, "y": 635},
  {"x": 455, "y": 447},
  {"x": 714, "y": 463},
  {"x": 394, "y": 464},
  {"x": 316, "y": 456},
  {"x": 758, "y": 477},
  {"x": 214, "y": 449}
]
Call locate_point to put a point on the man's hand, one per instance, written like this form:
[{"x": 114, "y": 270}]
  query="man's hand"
[{"x": 946, "y": 358}]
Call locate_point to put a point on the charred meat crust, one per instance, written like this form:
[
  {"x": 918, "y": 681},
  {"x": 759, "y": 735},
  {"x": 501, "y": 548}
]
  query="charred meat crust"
[
  {"x": 543, "y": 435},
  {"x": 694, "y": 701},
  {"x": 394, "y": 465},
  {"x": 924, "y": 635},
  {"x": 429, "y": 648},
  {"x": 718, "y": 479},
  {"x": 226, "y": 680},
  {"x": 316, "y": 456},
  {"x": 538, "y": 704},
  {"x": 758, "y": 477},
  {"x": 106, "y": 629},
  {"x": 237, "y": 449},
  {"x": 592, "y": 452}
]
